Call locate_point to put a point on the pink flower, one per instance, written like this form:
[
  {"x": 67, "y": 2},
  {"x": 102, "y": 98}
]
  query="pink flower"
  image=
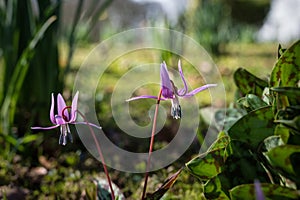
[
  {"x": 170, "y": 91},
  {"x": 63, "y": 118}
]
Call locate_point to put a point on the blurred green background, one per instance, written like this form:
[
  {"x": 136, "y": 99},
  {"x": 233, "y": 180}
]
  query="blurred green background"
[{"x": 44, "y": 42}]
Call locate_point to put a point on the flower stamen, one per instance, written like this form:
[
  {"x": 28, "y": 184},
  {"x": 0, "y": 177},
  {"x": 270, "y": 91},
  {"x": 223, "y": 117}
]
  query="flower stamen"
[{"x": 175, "y": 108}]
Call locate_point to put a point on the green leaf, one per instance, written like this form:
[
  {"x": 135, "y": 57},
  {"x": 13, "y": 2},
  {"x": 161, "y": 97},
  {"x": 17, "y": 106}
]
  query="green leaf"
[
  {"x": 286, "y": 70},
  {"x": 164, "y": 187},
  {"x": 290, "y": 118},
  {"x": 288, "y": 113},
  {"x": 292, "y": 124},
  {"x": 280, "y": 158},
  {"x": 225, "y": 119},
  {"x": 272, "y": 142},
  {"x": 254, "y": 127},
  {"x": 19, "y": 74},
  {"x": 31, "y": 138},
  {"x": 292, "y": 93},
  {"x": 247, "y": 83},
  {"x": 209, "y": 164},
  {"x": 213, "y": 189},
  {"x": 222, "y": 142},
  {"x": 280, "y": 50},
  {"x": 242, "y": 166},
  {"x": 271, "y": 191},
  {"x": 251, "y": 102},
  {"x": 283, "y": 132}
]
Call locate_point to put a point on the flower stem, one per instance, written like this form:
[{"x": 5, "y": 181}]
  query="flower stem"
[
  {"x": 100, "y": 154},
  {"x": 151, "y": 144}
]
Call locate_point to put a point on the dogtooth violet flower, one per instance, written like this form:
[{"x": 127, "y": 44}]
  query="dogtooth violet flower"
[
  {"x": 63, "y": 118},
  {"x": 170, "y": 92}
]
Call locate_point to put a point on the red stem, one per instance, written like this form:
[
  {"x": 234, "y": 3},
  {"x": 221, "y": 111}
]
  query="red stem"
[
  {"x": 100, "y": 154},
  {"x": 151, "y": 144}
]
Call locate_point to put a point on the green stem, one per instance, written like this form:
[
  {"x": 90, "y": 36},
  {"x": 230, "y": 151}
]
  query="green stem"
[
  {"x": 100, "y": 154},
  {"x": 151, "y": 144}
]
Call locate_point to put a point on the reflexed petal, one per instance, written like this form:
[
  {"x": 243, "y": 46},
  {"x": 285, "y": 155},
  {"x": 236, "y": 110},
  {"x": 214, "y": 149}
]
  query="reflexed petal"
[
  {"x": 91, "y": 124},
  {"x": 61, "y": 104},
  {"x": 52, "y": 115},
  {"x": 183, "y": 91},
  {"x": 142, "y": 97},
  {"x": 167, "y": 88},
  {"x": 74, "y": 108},
  {"x": 199, "y": 89},
  {"x": 45, "y": 128}
]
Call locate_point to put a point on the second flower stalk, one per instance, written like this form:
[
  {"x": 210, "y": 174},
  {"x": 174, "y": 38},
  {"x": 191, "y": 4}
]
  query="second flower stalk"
[{"x": 170, "y": 92}]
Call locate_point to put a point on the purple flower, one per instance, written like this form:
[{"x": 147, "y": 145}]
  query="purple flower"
[
  {"x": 170, "y": 91},
  {"x": 259, "y": 195},
  {"x": 63, "y": 118}
]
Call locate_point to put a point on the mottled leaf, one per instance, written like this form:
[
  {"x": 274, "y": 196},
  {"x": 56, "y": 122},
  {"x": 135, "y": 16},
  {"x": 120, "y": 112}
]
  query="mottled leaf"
[
  {"x": 290, "y": 118},
  {"x": 247, "y": 83},
  {"x": 292, "y": 93},
  {"x": 283, "y": 132},
  {"x": 251, "y": 102},
  {"x": 164, "y": 187},
  {"x": 293, "y": 124},
  {"x": 254, "y": 127},
  {"x": 280, "y": 50},
  {"x": 271, "y": 191},
  {"x": 213, "y": 189},
  {"x": 221, "y": 142},
  {"x": 280, "y": 158},
  {"x": 225, "y": 119},
  {"x": 288, "y": 113},
  {"x": 242, "y": 166},
  {"x": 209, "y": 164},
  {"x": 286, "y": 70}
]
